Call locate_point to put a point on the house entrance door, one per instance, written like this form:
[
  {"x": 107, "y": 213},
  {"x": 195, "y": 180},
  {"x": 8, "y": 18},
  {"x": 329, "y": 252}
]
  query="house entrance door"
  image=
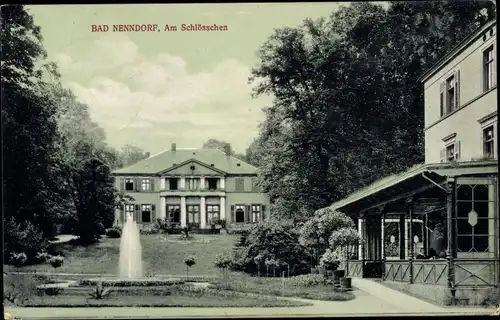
[
  {"x": 174, "y": 215},
  {"x": 193, "y": 216}
]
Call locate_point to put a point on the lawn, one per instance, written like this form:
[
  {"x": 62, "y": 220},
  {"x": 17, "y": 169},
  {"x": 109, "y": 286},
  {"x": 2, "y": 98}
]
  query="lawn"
[
  {"x": 21, "y": 290},
  {"x": 161, "y": 254},
  {"x": 209, "y": 301},
  {"x": 164, "y": 255},
  {"x": 286, "y": 287}
]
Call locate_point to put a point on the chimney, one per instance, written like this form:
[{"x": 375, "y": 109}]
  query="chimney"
[
  {"x": 174, "y": 147},
  {"x": 148, "y": 154}
]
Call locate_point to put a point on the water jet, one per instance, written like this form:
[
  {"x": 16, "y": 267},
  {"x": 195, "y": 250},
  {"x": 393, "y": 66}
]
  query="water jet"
[{"x": 130, "y": 263}]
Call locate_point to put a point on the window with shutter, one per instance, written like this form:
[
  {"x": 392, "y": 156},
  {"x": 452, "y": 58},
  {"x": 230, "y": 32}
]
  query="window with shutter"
[
  {"x": 137, "y": 184},
  {"x": 255, "y": 186},
  {"x": 122, "y": 213},
  {"x": 450, "y": 94},
  {"x": 450, "y": 152},
  {"x": 256, "y": 213},
  {"x": 239, "y": 185},
  {"x": 129, "y": 211},
  {"x": 137, "y": 212},
  {"x": 443, "y": 155},
  {"x": 488, "y": 141},
  {"x": 457, "y": 150},
  {"x": 233, "y": 216},
  {"x": 129, "y": 184},
  {"x": 122, "y": 184},
  {"x": 457, "y": 89},
  {"x": 248, "y": 213},
  {"x": 263, "y": 212},
  {"x": 153, "y": 212},
  {"x": 152, "y": 184},
  {"x": 488, "y": 67},
  {"x": 239, "y": 213},
  {"x": 442, "y": 100}
]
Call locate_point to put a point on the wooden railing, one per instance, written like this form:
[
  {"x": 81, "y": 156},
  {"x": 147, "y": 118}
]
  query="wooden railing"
[
  {"x": 355, "y": 268},
  {"x": 397, "y": 270},
  {"x": 430, "y": 272},
  {"x": 476, "y": 272}
]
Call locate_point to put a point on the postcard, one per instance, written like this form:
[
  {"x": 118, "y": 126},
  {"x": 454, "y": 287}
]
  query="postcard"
[{"x": 250, "y": 159}]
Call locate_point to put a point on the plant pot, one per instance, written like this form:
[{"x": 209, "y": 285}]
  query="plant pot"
[
  {"x": 329, "y": 274},
  {"x": 346, "y": 283},
  {"x": 321, "y": 270},
  {"x": 337, "y": 274}
]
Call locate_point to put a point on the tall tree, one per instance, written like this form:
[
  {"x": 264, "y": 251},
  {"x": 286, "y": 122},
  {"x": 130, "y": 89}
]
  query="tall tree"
[
  {"x": 29, "y": 123},
  {"x": 223, "y": 146},
  {"x": 85, "y": 165},
  {"x": 348, "y": 107},
  {"x": 132, "y": 154}
]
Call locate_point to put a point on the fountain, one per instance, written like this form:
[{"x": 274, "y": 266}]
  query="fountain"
[
  {"x": 130, "y": 264},
  {"x": 130, "y": 271}
]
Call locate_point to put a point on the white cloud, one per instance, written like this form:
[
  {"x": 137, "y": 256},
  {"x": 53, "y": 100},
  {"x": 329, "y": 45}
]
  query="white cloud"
[{"x": 125, "y": 89}]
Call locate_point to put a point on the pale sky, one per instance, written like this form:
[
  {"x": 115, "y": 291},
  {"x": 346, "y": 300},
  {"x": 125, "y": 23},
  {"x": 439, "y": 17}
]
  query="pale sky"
[{"x": 151, "y": 89}]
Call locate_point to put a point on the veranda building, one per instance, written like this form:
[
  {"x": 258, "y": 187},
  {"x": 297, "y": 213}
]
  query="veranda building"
[{"x": 449, "y": 204}]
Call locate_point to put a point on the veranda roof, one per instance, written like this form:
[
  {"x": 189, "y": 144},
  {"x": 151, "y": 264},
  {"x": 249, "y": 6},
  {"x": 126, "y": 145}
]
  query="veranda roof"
[{"x": 416, "y": 178}]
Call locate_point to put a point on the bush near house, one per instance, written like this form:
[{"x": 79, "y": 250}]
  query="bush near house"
[
  {"x": 315, "y": 233},
  {"x": 274, "y": 242},
  {"x": 113, "y": 233}
]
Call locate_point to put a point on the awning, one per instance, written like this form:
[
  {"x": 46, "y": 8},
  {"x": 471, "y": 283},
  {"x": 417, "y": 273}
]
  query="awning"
[{"x": 417, "y": 178}]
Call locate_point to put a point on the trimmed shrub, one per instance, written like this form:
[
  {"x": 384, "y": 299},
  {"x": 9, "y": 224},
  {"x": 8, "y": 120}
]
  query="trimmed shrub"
[
  {"x": 23, "y": 237},
  {"x": 275, "y": 242},
  {"x": 307, "y": 280},
  {"x": 330, "y": 260},
  {"x": 113, "y": 233},
  {"x": 18, "y": 259},
  {"x": 315, "y": 233},
  {"x": 56, "y": 261}
]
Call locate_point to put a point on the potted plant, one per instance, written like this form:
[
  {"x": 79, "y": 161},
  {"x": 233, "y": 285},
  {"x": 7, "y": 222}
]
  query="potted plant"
[
  {"x": 56, "y": 262},
  {"x": 329, "y": 261},
  {"x": 189, "y": 262},
  {"x": 344, "y": 240},
  {"x": 223, "y": 223},
  {"x": 223, "y": 262}
]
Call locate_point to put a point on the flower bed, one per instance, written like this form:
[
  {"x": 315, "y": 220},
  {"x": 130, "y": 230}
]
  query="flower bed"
[{"x": 130, "y": 283}]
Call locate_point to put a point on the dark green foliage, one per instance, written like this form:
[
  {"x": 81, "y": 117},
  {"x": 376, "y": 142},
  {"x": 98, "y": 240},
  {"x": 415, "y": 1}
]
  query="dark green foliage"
[
  {"x": 130, "y": 155},
  {"x": 29, "y": 125},
  {"x": 348, "y": 105},
  {"x": 113, "y": 233},
  {"x": 276, "y": 243},
  {"x": 100, "y": 292},
  {"x": 25, "y": 238},
  {"x": 307, "y": 280},
  {"x": 57, "y": 168}
]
